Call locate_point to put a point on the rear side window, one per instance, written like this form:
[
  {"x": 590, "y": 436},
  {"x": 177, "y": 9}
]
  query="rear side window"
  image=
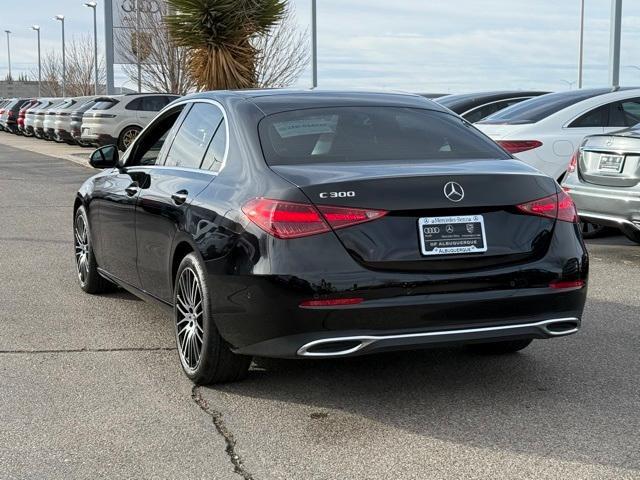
[
  {"x": 104, "y": 105},
  {"x": 194, "y": 136},
  {"x": 631, "y": 111},
  {"x": 363, "y": 134},
  {"x": 539, "y": 108},
  {"x": 486, "y": 110},
  {"x": 597, "y": 117}
]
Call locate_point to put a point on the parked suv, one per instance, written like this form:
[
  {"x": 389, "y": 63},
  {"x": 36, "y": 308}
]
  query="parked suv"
[
  {"x": 604, "y": 178},
  {"x": 23, "y": 113},
  {"x": 58, "y": 127},
  {"x": 75, "y": 121},
  {"x": 9, "y": 116},
  {"x": 119, "y": 120},
  {"x": 39, "y": 115},
  {"x": 28, "y": 129}
]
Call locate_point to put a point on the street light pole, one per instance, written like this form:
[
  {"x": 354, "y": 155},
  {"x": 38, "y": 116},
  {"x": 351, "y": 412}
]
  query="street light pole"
[
  {"x": 37, "y": 29},
  {"x": 314, "y": 44},
  {"x": 581, "y": 49},
  {"x": 8, "y": 32},
  {"x": 93, "y": 6},
  {"x": 614, "y": 45},
  {"x": 64, "y": 59}
]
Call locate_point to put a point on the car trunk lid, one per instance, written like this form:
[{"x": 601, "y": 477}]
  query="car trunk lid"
[
  {"x": 611, "y": 160},
  {"x": 410, "y": 192}
]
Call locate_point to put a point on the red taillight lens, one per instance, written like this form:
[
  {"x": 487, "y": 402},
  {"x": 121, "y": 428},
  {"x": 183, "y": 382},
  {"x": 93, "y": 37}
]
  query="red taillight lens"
[
  {"x": 517, "y": 146},
  {"x": 565, "y": 284},
  {"x": 573, "y": 164},
  {"x": 293, "y": 220},
  {"x": 557, "y": 206},
  {"x": 332, "y": 302},
  {"x": 340, "y": 217}
]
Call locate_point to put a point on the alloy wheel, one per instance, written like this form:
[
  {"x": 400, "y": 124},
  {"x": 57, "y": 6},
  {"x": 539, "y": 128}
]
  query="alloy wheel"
[
  {"x": 189, "y": 319},
  {"x": 82, "y": 249},
  {"x": 128, "y": 137}
]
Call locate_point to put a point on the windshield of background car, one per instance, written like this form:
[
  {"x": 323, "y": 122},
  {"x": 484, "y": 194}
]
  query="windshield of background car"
[
  {"x": 539, "y": 108},
  {"x": 366, "y": 134}
]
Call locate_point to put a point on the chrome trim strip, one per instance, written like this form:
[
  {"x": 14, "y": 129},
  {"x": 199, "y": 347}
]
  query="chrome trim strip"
[
  {"x": 588, "y": 149},
  {"x": 366, "y": 340}
]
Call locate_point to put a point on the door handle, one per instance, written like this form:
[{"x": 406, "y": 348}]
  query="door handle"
[
  {"x": 180, "y": 197},
  {"x": 132, "y": 189}
]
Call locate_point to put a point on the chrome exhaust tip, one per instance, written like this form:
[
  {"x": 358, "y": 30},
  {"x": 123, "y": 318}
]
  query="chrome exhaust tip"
[
  {"x": 342, "y": 346},
  {"x": 564, "y": 326}
]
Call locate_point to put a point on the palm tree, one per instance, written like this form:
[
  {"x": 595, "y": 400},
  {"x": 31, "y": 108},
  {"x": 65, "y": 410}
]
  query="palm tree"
[{"x": 218, "y": 34}]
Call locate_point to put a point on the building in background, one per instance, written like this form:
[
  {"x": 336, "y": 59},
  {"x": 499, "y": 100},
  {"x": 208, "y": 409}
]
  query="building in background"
[{"x": 18, "y": 88}]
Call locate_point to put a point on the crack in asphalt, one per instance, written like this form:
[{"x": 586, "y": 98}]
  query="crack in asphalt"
[
  {"x": 89, "y": 350},
  {"x": 223, "y": 430}
]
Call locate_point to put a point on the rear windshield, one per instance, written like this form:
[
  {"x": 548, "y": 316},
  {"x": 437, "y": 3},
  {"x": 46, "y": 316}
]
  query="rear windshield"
[
  {"x": 538, "y": 108},
  {"x": 104, "y": 105},
  {"x": 364, "y": 134}
]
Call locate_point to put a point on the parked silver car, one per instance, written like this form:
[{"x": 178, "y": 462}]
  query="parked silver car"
[{"x": 604, "y": 181}]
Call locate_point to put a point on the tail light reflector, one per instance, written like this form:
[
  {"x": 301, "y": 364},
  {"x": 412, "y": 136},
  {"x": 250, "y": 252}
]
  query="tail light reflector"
[
  {"x": 557, "y": 206},
  {"x": 332, "y": 302},
  {"x": 293, "y": 220},
  {"x": 518, "y": 146},
  {"x": 565, "y": 284}
]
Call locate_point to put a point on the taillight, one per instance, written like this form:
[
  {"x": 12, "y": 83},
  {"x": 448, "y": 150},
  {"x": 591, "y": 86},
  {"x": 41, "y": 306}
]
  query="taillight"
[
  {"x": 517, "y": 146},
  {"x": 293, "y": 220},
  {"x": 573, "y": 164},
  {"x": 557, "y": 206}
]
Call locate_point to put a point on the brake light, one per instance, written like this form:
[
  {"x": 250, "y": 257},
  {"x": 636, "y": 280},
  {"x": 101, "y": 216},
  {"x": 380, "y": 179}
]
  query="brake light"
[
  {"x": 518, "y": 146},
  {"x": 557, "y": 206},
  {"x": 573, "y": 164},
  {"x": 293, "y": 220}
]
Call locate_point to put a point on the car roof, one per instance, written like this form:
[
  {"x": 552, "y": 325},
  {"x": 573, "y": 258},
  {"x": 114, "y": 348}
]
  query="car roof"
[
  {"x": 470, "y": 100},
  {"x": 279, "y": 100}
]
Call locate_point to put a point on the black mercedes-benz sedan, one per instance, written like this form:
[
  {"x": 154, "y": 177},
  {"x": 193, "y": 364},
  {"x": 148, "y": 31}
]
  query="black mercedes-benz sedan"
[{"x": 309, "y": 224}]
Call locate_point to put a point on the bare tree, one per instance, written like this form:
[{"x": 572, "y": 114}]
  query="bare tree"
[
  {"x": 164, "y": 66},
  {"x": 79, "y": 72},
  {"x": 283, "y": 53}
]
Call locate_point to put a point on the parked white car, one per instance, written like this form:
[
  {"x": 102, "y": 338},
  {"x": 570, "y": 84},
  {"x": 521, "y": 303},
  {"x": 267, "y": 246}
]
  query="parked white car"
[
  {"x": 117, "y": 120},
  {"x": 545, "y": 131},
  {"x": 60, "y": 127}
]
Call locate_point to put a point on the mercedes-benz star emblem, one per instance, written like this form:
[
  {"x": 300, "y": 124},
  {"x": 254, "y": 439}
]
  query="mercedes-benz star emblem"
[
  {"x": 609, "y": 141},
  {"x": 453, "y": 191}
]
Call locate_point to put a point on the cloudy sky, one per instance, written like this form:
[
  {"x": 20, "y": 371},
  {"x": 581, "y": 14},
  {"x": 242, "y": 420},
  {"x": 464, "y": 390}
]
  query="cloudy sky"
[{"x": 417, "y": 45}]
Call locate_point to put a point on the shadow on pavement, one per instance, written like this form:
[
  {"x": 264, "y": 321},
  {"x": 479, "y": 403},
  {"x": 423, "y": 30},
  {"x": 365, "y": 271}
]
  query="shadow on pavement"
[{"x": 575, "y": 398}]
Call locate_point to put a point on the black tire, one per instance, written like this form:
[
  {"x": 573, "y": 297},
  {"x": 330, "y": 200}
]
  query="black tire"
[
  {"x": 86, "y": 266},
  {"x": 592, "y": 230},
  {"x": 208, "y": 359},
  {"x": 499, "y": 348},
  {"x": 127, "y": 136}
]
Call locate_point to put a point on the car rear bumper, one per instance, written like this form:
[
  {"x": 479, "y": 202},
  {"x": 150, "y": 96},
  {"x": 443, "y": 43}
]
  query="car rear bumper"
[
  {"x": 98, "y": 139},
  {"x": 327, "y": 345},
  {"x": 613, "y": 207},
  {"x": 265, "y": 318}
]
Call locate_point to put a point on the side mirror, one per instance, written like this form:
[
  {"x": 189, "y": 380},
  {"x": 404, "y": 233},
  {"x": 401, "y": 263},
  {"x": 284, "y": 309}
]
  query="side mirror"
[{"x": 105, "y": 157}]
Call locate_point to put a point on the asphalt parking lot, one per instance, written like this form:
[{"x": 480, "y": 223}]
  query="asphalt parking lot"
[{"x": 91, "y": 386}]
